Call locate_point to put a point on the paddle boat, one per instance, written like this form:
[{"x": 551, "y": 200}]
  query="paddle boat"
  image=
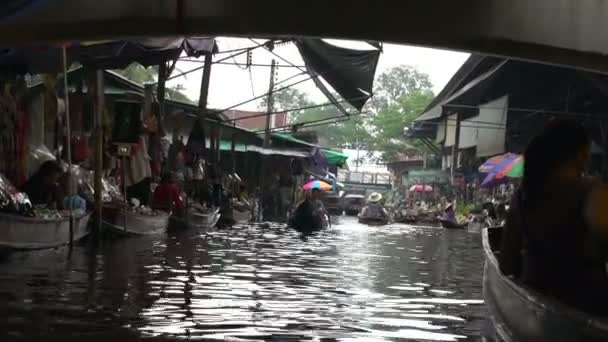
[
  {"x": 373, "y": 213},
  {"x": 518, "y": 313},
  {"x": 134, "y": 222},
  {"x": 27, "y": 233}
]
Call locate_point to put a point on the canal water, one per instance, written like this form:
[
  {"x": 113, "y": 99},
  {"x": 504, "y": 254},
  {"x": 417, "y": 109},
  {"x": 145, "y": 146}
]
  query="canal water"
[{"x": 252, "y": 283}]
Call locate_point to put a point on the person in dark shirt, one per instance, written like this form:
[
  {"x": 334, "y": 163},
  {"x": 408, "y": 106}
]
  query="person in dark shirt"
[
  {"x": 43, "y": 187},
  {"x": 306, "y": 218},
  {"x": 555, "y": 234}
]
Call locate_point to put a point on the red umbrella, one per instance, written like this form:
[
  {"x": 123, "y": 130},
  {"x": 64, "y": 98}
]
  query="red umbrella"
[{"x": 421, "y": 188}]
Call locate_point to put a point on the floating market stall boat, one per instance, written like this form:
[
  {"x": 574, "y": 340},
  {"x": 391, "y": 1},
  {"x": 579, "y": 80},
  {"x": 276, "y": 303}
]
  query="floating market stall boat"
[
  {"x": 521, "y": 314},
  {"x": 22, "y": 232},
  {"x": 129, "y": 222},
  {"x": 201, "y": 219}
]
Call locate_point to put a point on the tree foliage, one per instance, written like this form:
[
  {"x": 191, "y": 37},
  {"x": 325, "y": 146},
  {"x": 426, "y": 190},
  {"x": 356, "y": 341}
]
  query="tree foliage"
[
  {"x": 142, "y": 75},
  {"x": 397, "y": 82},
  {"x": 400, "y": 95}
]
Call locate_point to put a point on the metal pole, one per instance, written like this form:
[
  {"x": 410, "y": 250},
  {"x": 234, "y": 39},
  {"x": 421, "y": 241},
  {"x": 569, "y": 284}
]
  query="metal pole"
[
  {"x": 99, "y": 149},
  {"x": 69, "y": 142}
]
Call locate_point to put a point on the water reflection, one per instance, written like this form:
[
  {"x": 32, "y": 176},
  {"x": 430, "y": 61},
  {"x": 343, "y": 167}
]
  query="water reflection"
[{"x": 349, "y": 283}]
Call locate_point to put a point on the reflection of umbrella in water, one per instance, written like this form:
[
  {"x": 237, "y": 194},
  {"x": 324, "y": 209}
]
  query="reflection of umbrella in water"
[
  {"x": 509, "y": 166},
  {"x": 318, "y": 185},
  {"x": 421, "y": 188}
]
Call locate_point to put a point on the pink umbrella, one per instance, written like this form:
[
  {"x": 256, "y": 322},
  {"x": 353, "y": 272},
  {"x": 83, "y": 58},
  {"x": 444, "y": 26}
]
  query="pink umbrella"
[{"x": 421, "y": 188}]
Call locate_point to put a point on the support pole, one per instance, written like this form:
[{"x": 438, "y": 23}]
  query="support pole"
[
  {"x": 99, "y": 149},
  {"x": 455, "y": 147},
  {"x": 270, "y": 104},
  {"x": 204, "y": 94},
  {"x": 233, "y": 151},
  {"x": 160, "y": 93},
  {"x": 69, "y": 142},
  {"x": 269, "y": 109}
]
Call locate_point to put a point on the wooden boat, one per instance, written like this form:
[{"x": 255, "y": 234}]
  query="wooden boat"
[
  {"x": 196, "y": 219},
  {"x": 447, "y": 224},
  {"x": 373, "y": 221},
  {"x": 243, "y": 216},
  {"x": 20, "y": 232},
  {"x": 521, "y": 314},
  {"x": 116, "y": 220}
]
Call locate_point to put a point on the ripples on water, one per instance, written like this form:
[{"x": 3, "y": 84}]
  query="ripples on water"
[{"x": 349, "y": 283}]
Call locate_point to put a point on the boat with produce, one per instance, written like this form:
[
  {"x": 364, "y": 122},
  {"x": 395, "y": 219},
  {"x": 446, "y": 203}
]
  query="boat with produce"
[
  {"x": 353, "y": 203},
  {"x": 197, "y": 218},
  {"x": 522, "y": 314},
  {"x": 42, "y": 231},
  {"x": 127, "y": 221}
]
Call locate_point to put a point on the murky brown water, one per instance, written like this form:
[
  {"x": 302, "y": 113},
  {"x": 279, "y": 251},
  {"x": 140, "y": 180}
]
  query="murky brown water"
[{"x": 349, "y": 283}]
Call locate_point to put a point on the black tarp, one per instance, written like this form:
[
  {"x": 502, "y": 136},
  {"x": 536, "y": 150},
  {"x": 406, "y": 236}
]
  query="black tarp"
[
  {"x": 113, "y": 54},
  {"x": 350, "y": 72}
]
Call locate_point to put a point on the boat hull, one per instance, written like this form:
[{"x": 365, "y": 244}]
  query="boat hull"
[
  {"x": 451, "y": 225},
  {"x": 196, "y": 219},
  {"x": 130, "y": 223},
  {"x": 28, "y": 233},
  {"x": 373, "y": 221},
  {"x": 521, "y": 314},
  {"x": 241, "y": 216}
]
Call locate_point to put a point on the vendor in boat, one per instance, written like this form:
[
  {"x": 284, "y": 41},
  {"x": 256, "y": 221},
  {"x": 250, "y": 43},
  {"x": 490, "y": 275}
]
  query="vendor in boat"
[
  {"x": 168, "y": 196},
  {"x": 307, "y": 216},
  {"x": 43, "y": 187},
  {"x": 373, "y": 208},
  {"x": 449, "y": 215},
  {"x": 558, "y": 222}
]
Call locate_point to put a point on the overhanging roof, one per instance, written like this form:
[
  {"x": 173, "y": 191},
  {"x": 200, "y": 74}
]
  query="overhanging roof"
[
  {"x": 567, "y": 32},
  {"x": 437, "y": 111}
]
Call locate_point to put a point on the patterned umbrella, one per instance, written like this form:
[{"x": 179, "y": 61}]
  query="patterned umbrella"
[
  {"x": 317, "y": 184},
  {"x": 505, "y": 166}
]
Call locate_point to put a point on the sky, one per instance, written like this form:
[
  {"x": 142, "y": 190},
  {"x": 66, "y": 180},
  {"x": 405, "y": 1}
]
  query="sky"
[{"x": 231, "y": 85}]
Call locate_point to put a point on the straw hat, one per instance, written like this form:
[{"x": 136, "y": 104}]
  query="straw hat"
[{"x": 374, "y": 197}]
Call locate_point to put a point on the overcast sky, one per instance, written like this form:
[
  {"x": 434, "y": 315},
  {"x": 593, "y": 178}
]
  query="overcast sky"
[{"x": 231, "y": 85}]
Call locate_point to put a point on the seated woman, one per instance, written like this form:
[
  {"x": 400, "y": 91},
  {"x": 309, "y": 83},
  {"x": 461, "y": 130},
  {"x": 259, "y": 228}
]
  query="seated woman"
[
  {"x": 557, "y": 222},
  {"x": 167, "y": 196},
  {"x": 449, "y": 214},
  {"x": 307, "y": 217},
  {"x": 43, "y": 187}
]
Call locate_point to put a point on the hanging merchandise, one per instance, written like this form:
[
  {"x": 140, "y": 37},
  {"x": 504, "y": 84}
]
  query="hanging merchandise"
[
  {"x": 21, "y": 124},
  {"x": 80, "y": 149},
  {"x": 127, "y": 123},
  {"x": 11, "y": 200},
  {"x": 8, "y": 114}
]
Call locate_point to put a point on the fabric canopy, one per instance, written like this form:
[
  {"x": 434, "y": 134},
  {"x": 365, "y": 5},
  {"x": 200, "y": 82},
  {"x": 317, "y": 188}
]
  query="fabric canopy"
[
  {"x": 350, "y": 72},
  {"x": 111, "y": 54},
  {"x": 333, "y": 157}
]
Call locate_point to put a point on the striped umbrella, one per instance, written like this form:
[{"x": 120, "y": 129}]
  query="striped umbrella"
[
  {"x": 318, "y": 185},
  {"x": 510, "y": 166}
]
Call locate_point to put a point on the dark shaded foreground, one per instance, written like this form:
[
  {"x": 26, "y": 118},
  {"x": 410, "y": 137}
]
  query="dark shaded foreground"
[{"x": 349, "y": 283}]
